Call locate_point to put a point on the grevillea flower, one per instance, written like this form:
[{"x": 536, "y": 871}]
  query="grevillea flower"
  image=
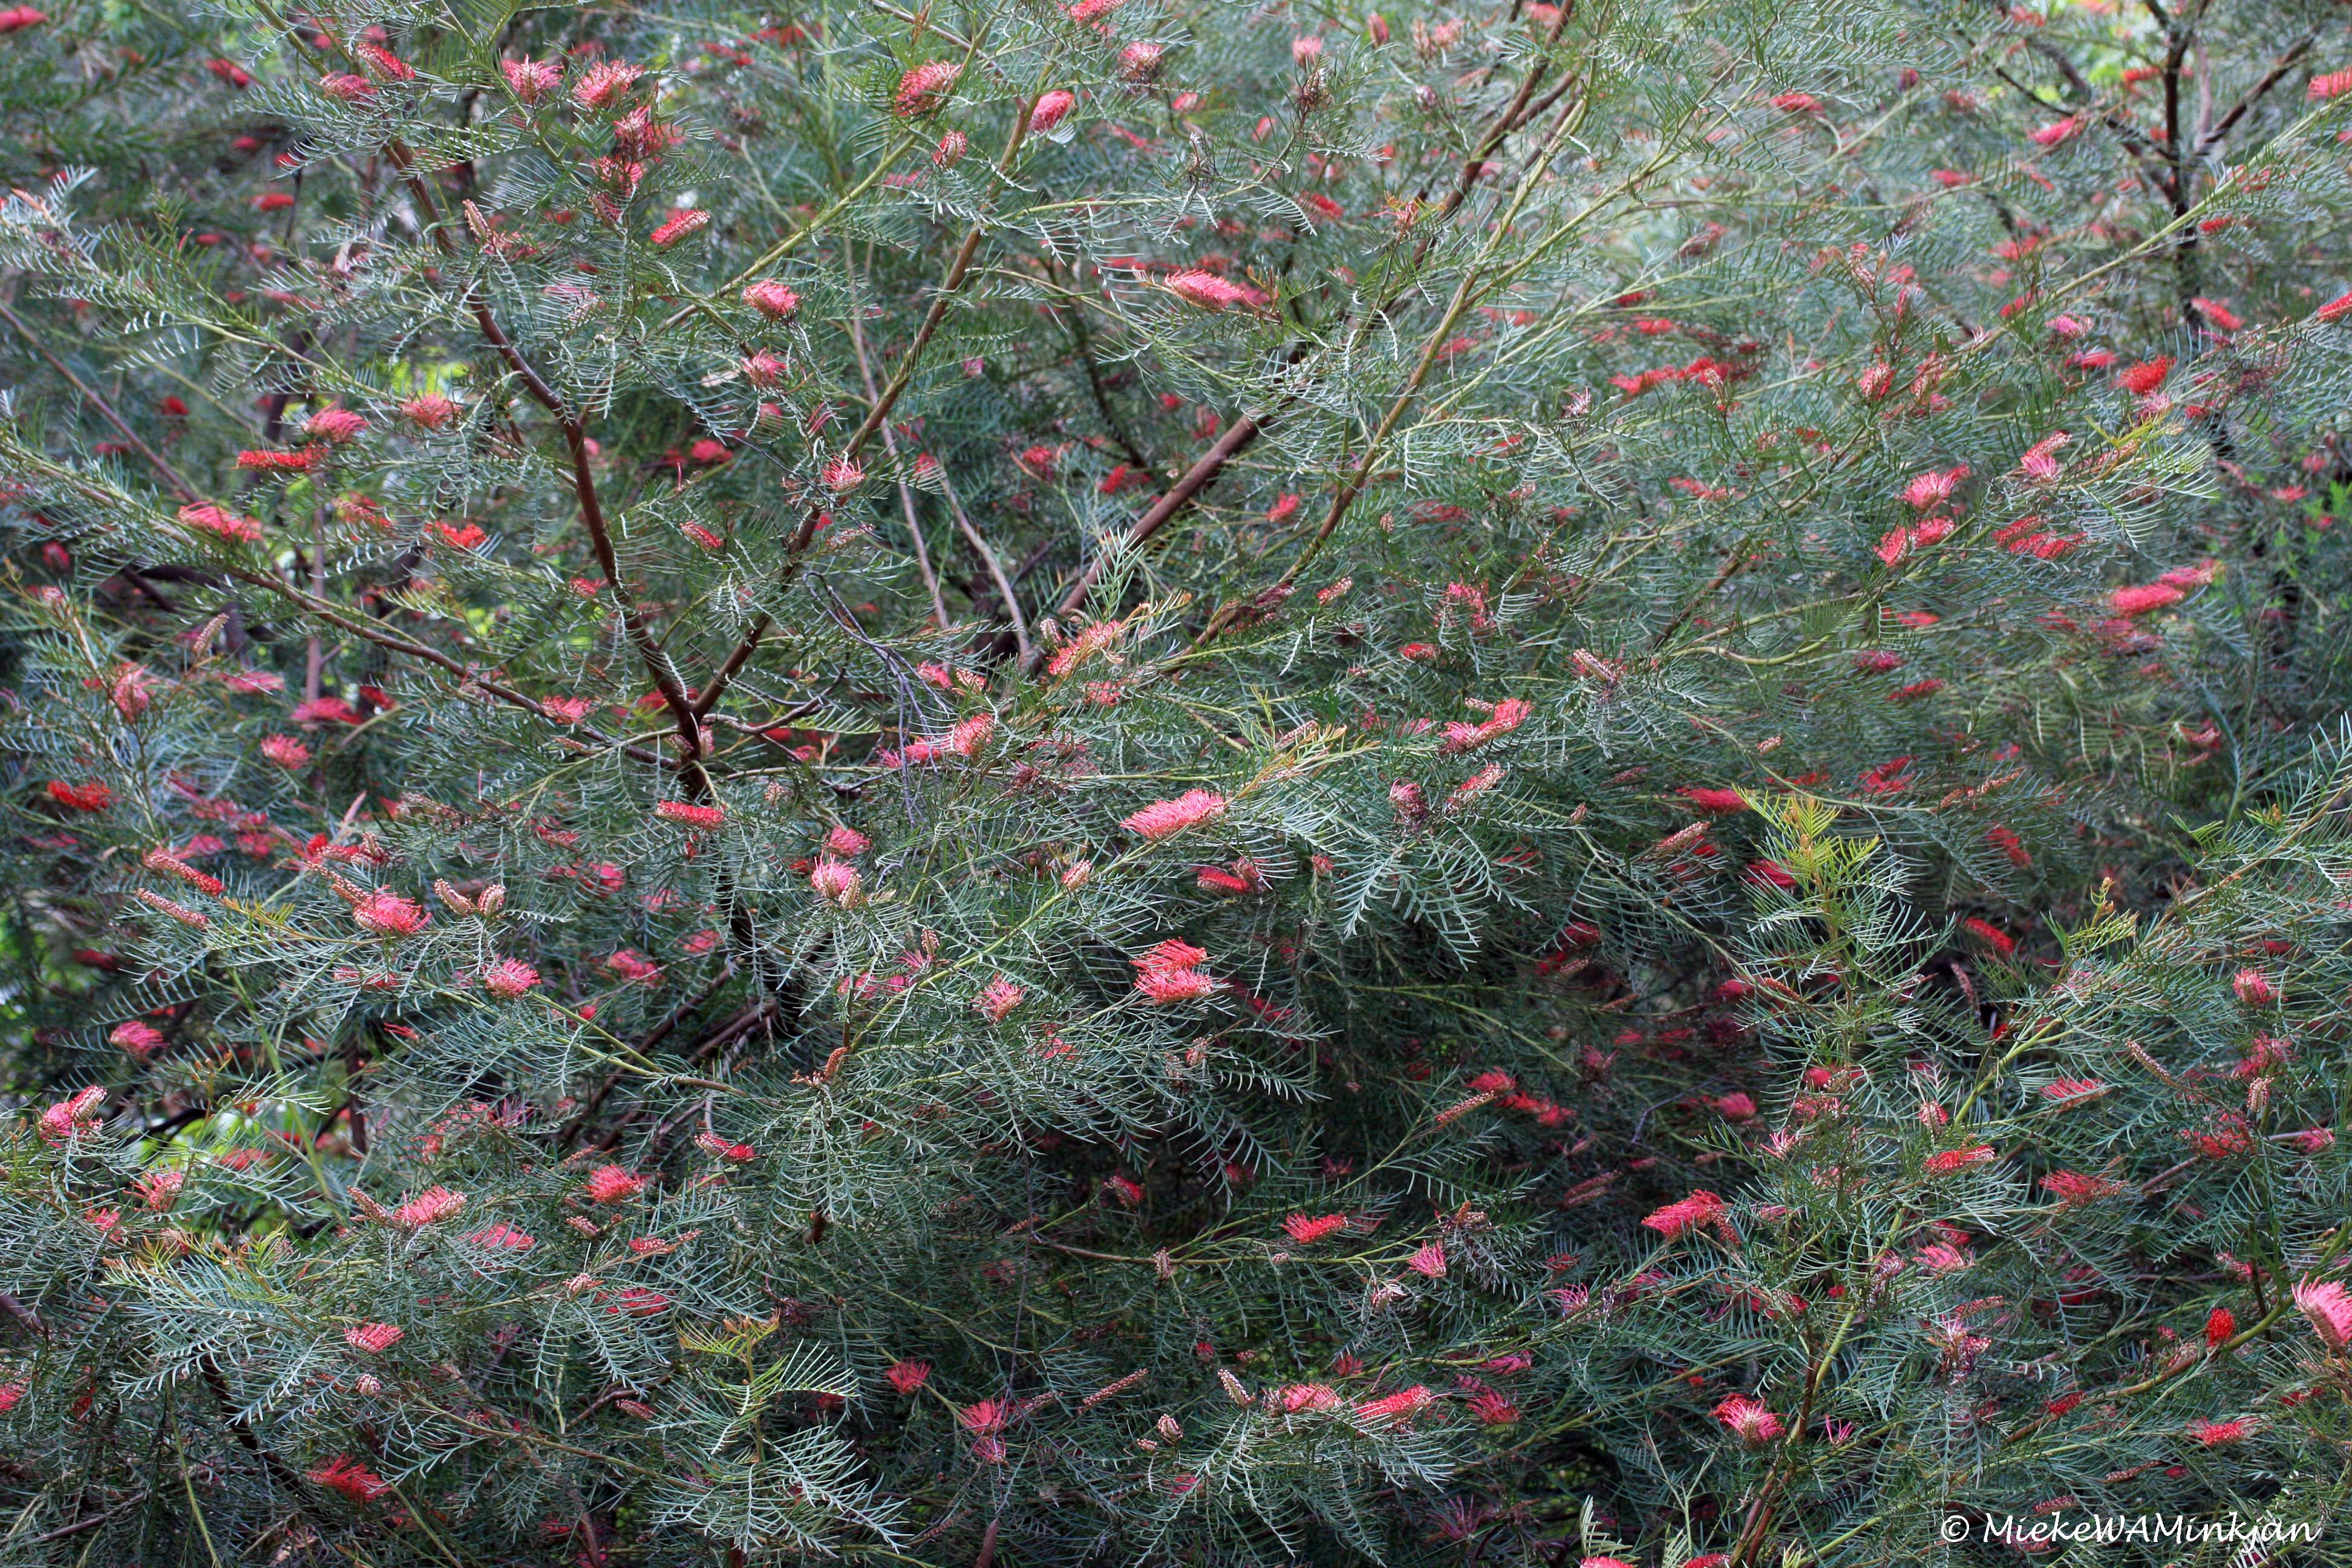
[
  {"x": 951, "y": 150},
  {"x": 1508, "y": 715},
  {"x": 1428, "y": 1260},
  {"x": 2145, "y": 598},
  {"x": 772, "y": 298},
  {"x": 1493, "y": 1409},
  {"x": 345, "y": 87},
  {"x": 1206, "y": 289},
  {"x": 633, "y": 967},
  {"x": 339, "y": 425},
  {"x": 1715, "y": 801},
  {"x": 502, "y": 1238},
  {"x": 611, "y": 1184},
  {"x": 157, "y": 1189},
  {"x": 531, "y": 80},
  {"x": 1735, "y": 1107},
  {"x": 2328, "y": 1306},
  {"x": 2253, "y": 988},
  {"x": 835, "y": 882},
  {"x": 846, "y": 842},
  {"x": 1935, "y": 486},
  {"x": 843, "y": 475},
  {"x": 1140, "y": 62},
  {"x": 2220, "y": 1324},
  {"x": 726, "y": 1149},
  {"x": 388, "y": 914},
  {"x": 2215, "y": 1434},
  {"x": 2057, "y": 131},
  {"x": 1394, "y": 1409},
  {"x": 72, "y": 1117},
  {"x": 430, "y": 1206},
  {"x": 907, "y": 1376},
  {"x": 1999, "y": 941},
  {"x": 604, "y": 83},
  {"x": 1123, "y": 1190},
  {"x": 134, "y": 691},
  {"x": 346, "y": 1475},
  {"x": 921, "y": 88},
  {"x": 1052, "y": 109},
  {"x": 2342, "y": 303},
  {"x": 2146, "y": 376},
  {"x": 1165, "y": 818},
  {"x": 1307, "y": 1231},
  {"x": 761, "y": 369},
  {"x": 508, "y": 978},
  {"x": 373, "y": 1337},
  {"x": 705, "y": 818},
  {"x": 94, "y": 796},
  {"x": 1748, "y": 1417},
  {"x": 2071, "y": 1091},
  {"x": 969, "y": 734},
  {"x": 681, "y": 223},
  {"x": 1687, "y": 1214},
  {"x": 213, "y": 520},
  {"x": 1952, "y": 1161},
  {"x": 1171, "y": 971},
  {"x": 285, "y": 751},
  {"x": 142, "y": 1040},
  {"x": 997, "y": 999},
  {"x": 2072, "y": 1187},
  {"x": 430, "y": 410}
]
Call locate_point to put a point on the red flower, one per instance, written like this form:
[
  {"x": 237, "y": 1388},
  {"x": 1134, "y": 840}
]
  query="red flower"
[
  {"x": 702, "y": 816},
  {"x": 375, "y": 1338},
  {"x": 772, "y": 298},
  {"x": 1165, "y": 818},
  {"x": 1052, "y": 109},
  {"x": 1952, "y": 1161},
  {"x": 1748, "y": 1417},
  {"x": 907, "y": 1376},
  {"x": 1710, "y": 799},
  {"x": 213, "y": 520},
  {"x": 2221, "y": 1324},
  {"x": 1307, "y": 1232},
  {"x": 1687, "y": 1214},
  {"x": 347, "y": 1476},
  {"x": 1999, "y": 941},
  {"x": 678, "y": 225},
  {"x": 611, "y": 1184},
  {"x": 95, "y": 795},
  {"x": 2146, "y": 376},
  {"x": 921, "y": 88}
]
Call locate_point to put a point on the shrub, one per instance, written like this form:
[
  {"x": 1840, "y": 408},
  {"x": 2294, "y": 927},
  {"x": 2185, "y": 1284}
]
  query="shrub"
[{"x": 1171, "y": 783}]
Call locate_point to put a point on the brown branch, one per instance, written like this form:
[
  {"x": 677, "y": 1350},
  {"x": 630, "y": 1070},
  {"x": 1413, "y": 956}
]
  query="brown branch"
[
  {"x": 97, "y": 400},
  {"x": 2237, "y": 112}
]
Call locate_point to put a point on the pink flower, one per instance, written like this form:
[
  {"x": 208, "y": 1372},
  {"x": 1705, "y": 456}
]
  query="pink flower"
[
  {"x": 347, "y": 1476},
  {"x": 1934, "y": 488},
  {"x": 2057, "y": 131},
  {"x": 1052, "y": 110},
  {"x": 611, "y": 1184},
  {"x": 951, "y": 150},
  {"x": 375, "y": 1338},
  {"x": 2144, "y": 598},
  {"x": 142, "y": 1040},
  {"x": 997, "y": 999},
  {"x": 846, "y": 842},
  {"x": 1140, "y": 62},
  {"x": 843, "y": 475},
  {"x": 1428, "y": 1260},
  {"x": 2330, "y": 84},
  {"x": 388, "y": 914},
  {"x": 1714, "y": 800},
  {"x": 1508, "y": 715},
  {"x": 502, "y": 1238},
  {"x": 339, "y": 425},
  {"x": 2146, "y": 376},
  {"x": 971, "y": 733},
  {"x": 531, "y": 80},
  {"x": 633, "y": 967},
  {"x": 430, "y": 1206},
  {"x": 772, "y": 298},
  {"x": 907, "y": 1376},
  {"x": 1206, "y": 289},
  {"x": 345, "y": 87},
  {"x": 157, "y": 1189},
  {"x": 678, "y": 225},
  {"x": 921, "y": 88},
  {"x": 16, "y": 20},
  {"x": 1307, "y": 1232},
  {"x": 705, "y": 818},
  {"x": 71, "y": 1118},
  {"x": 1952, "y": 1161},
  {"x": 1293, "y": 1398},
  {"x": 430, "y": 410},
  {"x": 2039, "y": 462},
  {"x": 1493, "y": 1409},
  {"x": 2342, "y": 303},
  {"x": 761, "y": 369},
  {"x": 1735, "y": 1107},
  {"x": 2329, "y": 1307},
  {"x": 2253, "y": 988},
  {"x": 734, "y": 1153},
  {"x": 213, "y": 520},
  {"x": 835, "y": 882},
  {"x": 1171, "y": 971},
  {"x": 605, "y": 82},
  {"x": 1165, "y": 818},
  {"x": 1687, "y": 1214},
  {"x": 1749, "y": 1419},
  {"x": 508, "y": 978},
  {"x": 1394, "y": 1409}
]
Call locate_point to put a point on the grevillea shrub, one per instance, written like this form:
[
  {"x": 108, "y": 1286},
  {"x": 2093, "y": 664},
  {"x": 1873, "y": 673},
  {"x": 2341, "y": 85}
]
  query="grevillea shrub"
[{"x": 1172, "y": 782}]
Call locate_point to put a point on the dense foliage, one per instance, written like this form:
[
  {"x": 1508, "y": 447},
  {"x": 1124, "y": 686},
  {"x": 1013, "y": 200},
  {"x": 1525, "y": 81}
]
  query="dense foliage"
[{"x": 1163, "y": 781}]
